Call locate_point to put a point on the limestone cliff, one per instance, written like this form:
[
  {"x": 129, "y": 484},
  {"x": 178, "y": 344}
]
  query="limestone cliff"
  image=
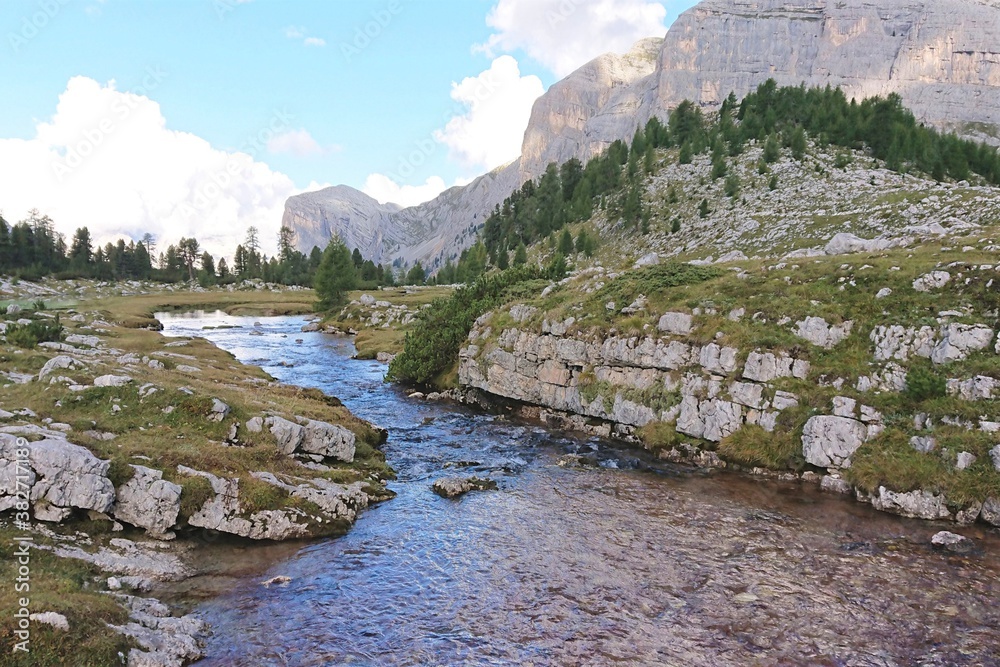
[{"x": 941, "y": 56}]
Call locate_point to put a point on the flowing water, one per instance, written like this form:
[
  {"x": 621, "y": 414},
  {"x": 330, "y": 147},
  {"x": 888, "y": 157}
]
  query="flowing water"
[{"x": 630, "y": 562}]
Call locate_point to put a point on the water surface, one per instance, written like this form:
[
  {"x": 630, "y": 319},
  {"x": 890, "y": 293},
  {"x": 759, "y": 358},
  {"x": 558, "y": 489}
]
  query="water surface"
[{"x": 631, "y": 562}]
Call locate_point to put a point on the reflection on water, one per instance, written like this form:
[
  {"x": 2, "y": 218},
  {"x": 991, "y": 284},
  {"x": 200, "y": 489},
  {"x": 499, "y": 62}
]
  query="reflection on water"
[{"x": 629, "y": 563}]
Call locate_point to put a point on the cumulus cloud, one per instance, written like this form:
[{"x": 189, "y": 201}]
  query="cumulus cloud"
[
  {"x": 299, "y": 143},
  {"x": 384, "y": 189},
  {"x": 562, "y": 35},
  {"x": 496, "y": 106},
  {"x": 107, "y": 160},
  {"x": 314, "y": 41}
]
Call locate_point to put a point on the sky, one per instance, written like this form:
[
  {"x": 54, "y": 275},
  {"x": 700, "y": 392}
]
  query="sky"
[{"x": 201, "y": 117}]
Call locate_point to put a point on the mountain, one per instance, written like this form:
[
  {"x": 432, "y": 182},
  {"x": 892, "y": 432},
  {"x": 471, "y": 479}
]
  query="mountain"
[{"x": 941, "y": 56}]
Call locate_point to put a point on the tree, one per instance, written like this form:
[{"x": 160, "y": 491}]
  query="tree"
[
  {"x": 81, "y": 251},
  {"x": 772, "y": 150},
  {"x": 357, "y": 258},
  {"x": 675, "y": 226},
  {"x": 520, "y": 255},
  {"x": 223, "y": 269},
  {"x": 703, "y": 209},
  {"x": 732, "y": 187},
  {"x": 187, "y": 250},
  {"x": 566, "y": 243},
  {"x": 416, "y": 275},
  {"x": 335, "y": 277},
  {"x": 799, "y": 143},
  {"x": 286, "y": 244}
]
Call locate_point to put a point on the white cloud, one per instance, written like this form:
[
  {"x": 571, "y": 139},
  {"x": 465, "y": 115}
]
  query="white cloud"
[
  {"x": 497, "y": 105},
  {"x": 107, "y": 160},
  {"x": 564, "y": 34},
  {"x": 383, "y": 189},
  {"x": 299, "y": 143},
  {"x": 300, "y": 33}
]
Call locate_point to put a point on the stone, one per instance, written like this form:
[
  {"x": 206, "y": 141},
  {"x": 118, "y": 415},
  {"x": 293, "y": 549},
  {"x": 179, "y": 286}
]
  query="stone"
[
  {"x": 923, "y": 443},
  {"x": 255, "y": 425},
  {"x": 817, "y": 331},
  {"x": 452, "y": 487},
  {"x": 914, "y": 504},
  {"x": 367, "y": 300},
  {"x": 61, "y": 362},
  {"x": 948, "y": 541},
  {"x": 112, "y": 381},
  {"x": 711, "y": 420},
  {"x": 995, "y": 455},
  {"x": 979, "y": 388},
  {"x": 57, "y": 621},
  {"x": 844, "y": 407},
  {"x": 784, "y": 400},
  {"x": 964, "y": 460},
  {"x": 77, "y": 339},
  {"x": 328, "y": 440},
  {"x": 62, "y": 476},
  {"x": 845, "y": 243},
  {"x": 931, "y": 281},
  {"x": 185, "y": 368},
  {"x": 288, "y": 434},
  {"x": 675, "y": 323},
  {"x": 652, "y": 259},
  {"x": 13, "y": 309},
  {"x": 219, "y": 410},
  {"x": 990, "y": 512},
  {"x": 959, "y": 340},
  {"x": 310, "y": 327},
  {"x": 767, "y": 367},
  {"x": 521, "y": 313},
  {"x": 148, "y": 501},
  {"x": 748, "y": 394},
  {"x": 829, "y": 441},
  {"x": 165, "y": 640},
  {"x": 716, "y": 359},
  {"x": 834, "y": 484},
  {"x": 883, "y": 293}
]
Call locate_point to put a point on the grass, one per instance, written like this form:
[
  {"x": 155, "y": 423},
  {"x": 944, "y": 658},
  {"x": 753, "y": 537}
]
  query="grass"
[
  {"x": 69, "y": 587},
  {"x": 752, "y": 446}
]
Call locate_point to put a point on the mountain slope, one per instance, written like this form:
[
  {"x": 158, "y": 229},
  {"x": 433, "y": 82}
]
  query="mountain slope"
[{"x": 941, "y": 56}]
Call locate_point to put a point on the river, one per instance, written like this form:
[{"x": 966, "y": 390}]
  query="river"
[{"x": 629, "y": 562}]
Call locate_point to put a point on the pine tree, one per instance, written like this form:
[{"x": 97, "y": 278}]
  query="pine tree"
[
  {"x": 335, "y": 276},
  {"x": 703, "y": 209},
  {"x": 520, "y": 255},
  {"x": 566, "y": 243}
]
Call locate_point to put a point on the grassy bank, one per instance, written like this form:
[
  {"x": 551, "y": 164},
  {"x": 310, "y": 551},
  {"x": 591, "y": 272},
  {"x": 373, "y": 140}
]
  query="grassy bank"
[{"x": 161, "y": 429}]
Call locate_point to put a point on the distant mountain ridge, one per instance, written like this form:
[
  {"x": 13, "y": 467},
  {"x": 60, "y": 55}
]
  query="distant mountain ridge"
[{"x": 941, "y": 56}]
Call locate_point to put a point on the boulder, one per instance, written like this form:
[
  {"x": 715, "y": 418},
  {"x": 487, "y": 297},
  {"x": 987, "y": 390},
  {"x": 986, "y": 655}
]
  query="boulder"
[
  {"x": 288, "y": 434},
  {"x": 165, "y": 640},
  {"x": 62, "y": 476},
  {"x": 57, "y": 621},
  {"x": 995, "y": 455},
  {"x": 225, "y": 514},
  {"x": 148, "y": 501},
  {"x": 924, "y": 444},
  {"x": 61, "y": 362},
  {"x": 964, "y": 460},
  {"x": 953, "y": 542},
  {"x": 829, "y": 441},
  {"x": 766, "y": 367},
  {"x": 328, "y": 440},
  {"x": 990, "y": 512},
  {"x": 957, "y": 341},
  {"x": 931, "y": 281},
  {"x": 914, "y": 504},
  {"x": 219, "y": 410},
  {"x": 367, "y": 300},
  {"x": 675, "y": 323},
  {"x": 817, "y": 331},
  {"x": 112, "y": 381},
  {"x": 452, "y": 487}
]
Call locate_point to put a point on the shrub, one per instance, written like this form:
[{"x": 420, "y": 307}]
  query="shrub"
[
  {"x": 39, "y": 331},
  {"x": 432, "y": 347},
  {"x": 923, "y": 384}
]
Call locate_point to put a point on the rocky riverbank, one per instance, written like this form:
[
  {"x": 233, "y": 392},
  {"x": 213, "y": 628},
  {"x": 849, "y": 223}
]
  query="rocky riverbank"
[
  {"x": 132, "y": 447},
  {"x": 872, "y": 374}
]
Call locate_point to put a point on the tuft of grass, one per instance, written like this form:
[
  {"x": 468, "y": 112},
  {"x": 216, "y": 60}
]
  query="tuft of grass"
[
  {"x": 753, "y": 446},
  {"x": 656, "y": 436}
]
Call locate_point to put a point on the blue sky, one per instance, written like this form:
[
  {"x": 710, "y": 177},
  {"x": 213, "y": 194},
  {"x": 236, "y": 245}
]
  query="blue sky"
[{"x": 299, "y": 94}]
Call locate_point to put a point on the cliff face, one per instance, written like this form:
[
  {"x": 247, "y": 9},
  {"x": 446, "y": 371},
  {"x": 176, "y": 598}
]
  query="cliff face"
[{"x": 941, "y": 56}]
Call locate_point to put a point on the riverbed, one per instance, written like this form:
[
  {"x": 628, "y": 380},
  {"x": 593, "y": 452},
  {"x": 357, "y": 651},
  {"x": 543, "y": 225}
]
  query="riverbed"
[{"x": 623, "y": 560}]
